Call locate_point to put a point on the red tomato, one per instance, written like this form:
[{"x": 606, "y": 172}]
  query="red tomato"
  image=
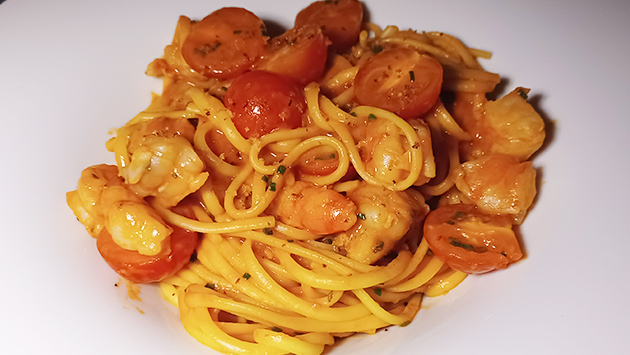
[
  {"x": 225, "y": 43},
  {"x": 299, "y": 54},
  {"x": 340, "y": 20},
  {"x": 470, "y": 240},
  {"x": 139, "y": 268},
  {"x": 399, "y": 80},
  {"x": 263, "y": 102}
]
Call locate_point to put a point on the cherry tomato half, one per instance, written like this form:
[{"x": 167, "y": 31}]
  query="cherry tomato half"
[
  {"x": 225, "y": 43},
  {"x": 340, "y": 20},
  {"x": 139, "y": 268},
  {"x": 399, "y": 80},
  {"x": 299, "y": 54},
  {"x": 263, "y": 102},
  {"x": 470, "y": 240}
]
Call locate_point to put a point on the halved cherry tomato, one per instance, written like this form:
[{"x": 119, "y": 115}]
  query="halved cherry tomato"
[
  {"x": 320, "y": 161},
  {"x": 299, "y": 54},
  {"x": 340, "y": 20},
  {"x": 263, "y": 102},
  {"x": 139, "y": 268},
  {"x": 399, "y": 80},
  {"x": 225, "y": 43},
  {"x": 470, "y": 240}
]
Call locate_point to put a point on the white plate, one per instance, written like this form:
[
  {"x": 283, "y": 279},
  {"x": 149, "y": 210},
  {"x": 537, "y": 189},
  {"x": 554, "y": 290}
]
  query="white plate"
[{"x": 72, "y": 70}]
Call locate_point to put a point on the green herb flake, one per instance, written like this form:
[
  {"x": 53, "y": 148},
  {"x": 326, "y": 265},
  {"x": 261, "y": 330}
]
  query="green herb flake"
[
  {"x": 406, "y": 323},
  {"x": 361, "y": 216},
  {"x": 522, "y": 94},
  {"x": 372, "y": 116},
  {"x": 412, "y": 76},
  {"x": 265, "y": 178},
  {"x": 333, "y": 156},
  {"x": 379, "y": 247},
  {"x": 377, "y": 49},
  {"x": 282, "y": 169},
  {"x": 457, "y": 243},
  {"x": 378, "y": 291},
  {"x": 246, "y": 276},
  {"x": 193, "y": 257},
  {"x": 459, "y": 215},
  {"x": 272, "y": 186},
  {"x": 224, "y": 88},
  {"x": 353, "y": 114},
  {"x": 277, "y": 329},
  {"x": 268, "y": 231}
]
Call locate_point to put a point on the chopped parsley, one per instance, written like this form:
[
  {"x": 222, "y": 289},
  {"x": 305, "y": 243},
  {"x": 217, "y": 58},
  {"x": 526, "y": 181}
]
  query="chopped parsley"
[
  {"x": 378, "y": 291},
  {"x": 377, "y": 49},
  {"x": 268, "y": 231},
  {"x": 412, "y": 76},
  {"x": 372, "y": 116},
  {"x": 282, "y": 169},
  {"x": 522, "y": 94},
  {"x": 379, "y": 247},
  {"x": 272, "y": 186},
  {"x": 265, "y": 178},
  {"x": 361, "y": 216},
  {"x": 246, "y": 276},
  {"x": 457, "y": 243},
  {"x": 277, "y": 329}
]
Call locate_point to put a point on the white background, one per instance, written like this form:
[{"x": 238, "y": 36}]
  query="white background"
[{"x": 71, "y": 70}]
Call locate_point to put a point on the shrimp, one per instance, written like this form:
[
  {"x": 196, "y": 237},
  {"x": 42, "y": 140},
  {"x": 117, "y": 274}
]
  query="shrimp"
[
  {"x": 509, "y": 125},
  {"x": 499, "y": 183},
  {"x": 162, "y": 161},
  {"x": 385, "y": 217},
  {"x": 317, "y": 209},
  {"x": 387, "y": 153},
  {"x": 103, "y": 201}
]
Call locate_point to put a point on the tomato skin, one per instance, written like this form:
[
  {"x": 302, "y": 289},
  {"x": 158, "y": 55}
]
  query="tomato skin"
[
  {"x": 263, "y": 102},
  {"x": 139, "y": 268},
  {"x": 340, "y": 20},
  {"x": 399, "y": 80},
  {"x": 225, "y": 43},
  {"x": 469, "y": 240},
  {"x": 300, "y": 54}
]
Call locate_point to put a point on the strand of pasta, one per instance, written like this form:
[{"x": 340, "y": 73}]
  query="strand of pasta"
[
  {"x": 420, "y": 253},
  {"x": 214, "y": 109},
  {"x": 446, "y": 284},
  {"x": 420, "y": 278},
  {"x": 448, "y": 123},
  {"x": 260, "y": 201},
  {"x": 414, "y": 144},
  {"x": 344, "y": 282},
  {"x": 281, "y": 135},
  {"x": 454, "y": 45},
  {"x": 200, "y": 297},
  {"x": 214, "y": 227},
  {"x": 286, "y": 342},
  {"x": 210, "y": 158},
  {"x": 449, "y": 180},
  {"x": 261, "y": 278},
  {"x": 377, "y": 310},
  {"x": 202, "y": 327}
]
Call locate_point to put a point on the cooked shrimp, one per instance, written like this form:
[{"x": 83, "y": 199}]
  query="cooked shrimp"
[
  {"x": 499, "y": 183},
  {"x": 103, "y": 200},
  {"x": 509, "y": 125},
  {"x": 317, "y": 209},
  {"x": 386, "y": 152},
  {"x": 162, "y": 161},
  {"x": 385, "y": 217}
]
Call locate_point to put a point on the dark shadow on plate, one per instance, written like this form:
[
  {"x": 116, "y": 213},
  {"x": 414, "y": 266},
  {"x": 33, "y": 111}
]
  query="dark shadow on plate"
[
  {"x": 1, "y": 1},
  {"x": 274, "y": 29},
  {"x": 366, "y": 13}
]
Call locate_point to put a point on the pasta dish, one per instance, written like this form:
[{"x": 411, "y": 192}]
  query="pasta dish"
[{"x": 287, "y": 190}]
